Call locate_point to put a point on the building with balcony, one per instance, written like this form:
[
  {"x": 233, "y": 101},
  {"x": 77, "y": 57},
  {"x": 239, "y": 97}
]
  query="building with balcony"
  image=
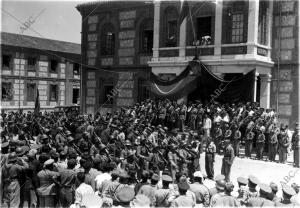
[
  {"x": 30, "y": 64},
  {"x": 123, "y": 43}
]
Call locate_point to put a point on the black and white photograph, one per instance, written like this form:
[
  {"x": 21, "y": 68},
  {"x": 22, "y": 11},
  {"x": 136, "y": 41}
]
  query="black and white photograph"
[{"x": 149, "y": 103}]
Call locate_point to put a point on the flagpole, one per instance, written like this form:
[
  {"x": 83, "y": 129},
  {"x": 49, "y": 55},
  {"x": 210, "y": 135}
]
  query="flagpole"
[{"x": 194, "y": 33}]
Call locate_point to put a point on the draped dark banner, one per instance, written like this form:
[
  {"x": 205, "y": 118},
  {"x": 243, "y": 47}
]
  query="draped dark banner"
[{"x": 205, "y": 86}]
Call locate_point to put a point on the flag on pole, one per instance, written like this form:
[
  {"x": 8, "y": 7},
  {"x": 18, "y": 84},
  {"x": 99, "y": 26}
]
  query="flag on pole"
[
  {"x": 37, "y": 103},
  {"x": 184, "y": 11}
]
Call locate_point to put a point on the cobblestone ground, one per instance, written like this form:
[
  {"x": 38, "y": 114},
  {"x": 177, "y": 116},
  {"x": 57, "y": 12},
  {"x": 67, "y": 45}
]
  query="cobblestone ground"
[{"x": 263, "y": 170}]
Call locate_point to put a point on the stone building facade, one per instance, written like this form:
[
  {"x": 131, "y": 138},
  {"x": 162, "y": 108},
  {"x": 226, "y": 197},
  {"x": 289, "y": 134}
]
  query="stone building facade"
[
  {"x": 30, "y": 63},
  {"x": 243, "y": 35}
]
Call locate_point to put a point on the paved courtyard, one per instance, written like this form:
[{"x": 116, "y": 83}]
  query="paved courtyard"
[{"x": 264, "y": 171}]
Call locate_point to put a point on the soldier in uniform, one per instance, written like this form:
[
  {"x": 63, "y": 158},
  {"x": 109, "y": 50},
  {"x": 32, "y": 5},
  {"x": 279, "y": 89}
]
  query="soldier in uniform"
[
  {"x": 287, "y": 193},
  {"x": 173, "y": 158},
  {"x": 284, "y": 143},
  {"x": 249, "y": 143},
  {"x": 227, "y": 160},
  {"x": 296, "y": 146},
  {"x": 218, "y": 137},
  {"x": 163, "y": 194},
  {"x": 263, "y": 200},
  {"x": 236, "y": 140},
  {"x": 260, "y": 142},
  {"x": 273, "y": 144},
  {"x": 210, "y": 159},
  {"x": 251, "y": 192}
]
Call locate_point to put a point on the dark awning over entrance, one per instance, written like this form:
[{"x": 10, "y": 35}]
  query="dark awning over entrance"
[{"x": 198, "y": 82}]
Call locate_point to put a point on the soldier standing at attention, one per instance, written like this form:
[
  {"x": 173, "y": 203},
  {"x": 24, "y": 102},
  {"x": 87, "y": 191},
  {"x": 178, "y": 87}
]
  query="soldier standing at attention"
[
  {"x": 227, "y": 160},
  {"x": 249, "y": 143},
  {"x": 284, "y": 143},
  {"x": 210, "y": 159},
  {"x": 273, "y": 146},
  {"x": 260, "y": 143},
  {"x": 236, "y": 140},
  {"x": 296, "y": 145}
]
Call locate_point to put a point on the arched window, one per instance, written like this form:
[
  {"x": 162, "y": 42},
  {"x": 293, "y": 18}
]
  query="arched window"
[
  {"x": 146, "y": 34},
  {"x": 171, "y": 26},
  {"x": 107, "y": 40}
]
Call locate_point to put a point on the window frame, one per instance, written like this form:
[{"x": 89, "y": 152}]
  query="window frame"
[
  {"x": 50, "y": 66},
  {"x": 9, "y": 67},
  {"x": 76, "y": 74},
  {"x": 105, "y": 48},
  {"x": 34, "y": 92},
  {"x": 146, "y": 46},
  {"x": 56, "y": 93},
  {"x": 170, "y": 16},
  {"x": 263, "y": 24},
  {"x": 32, "y": 68},
  {"x": 11, "y": 89}
]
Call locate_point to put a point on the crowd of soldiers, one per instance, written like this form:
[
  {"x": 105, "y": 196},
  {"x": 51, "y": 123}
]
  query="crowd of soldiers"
[{"x": 143, "y": 155}]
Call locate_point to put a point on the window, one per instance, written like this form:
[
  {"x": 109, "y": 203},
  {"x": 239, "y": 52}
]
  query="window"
[
  {"x": 171, "y": 27},
  {"x": 235, "y": 22},
  {"x": 53, "y": 66},
  {"x": 147, "y": 36},
  {"x": 6, "y": 61},
  {"x": 76, "y": 69},
  {"x": 108, "y": 93},
  {"x": 53, "y": 96},
  {"x": 7, "y": 91},
  {"x": 31, "y": 62},
  {"x": 31, "y": 90},
  {"x": 75, "y": 99},
  {"x": 237, "y": 28},
  {"x": 108, "y": 40},
  {"x": 263, "y": 23},
  {"x": 204, "y": 29}
]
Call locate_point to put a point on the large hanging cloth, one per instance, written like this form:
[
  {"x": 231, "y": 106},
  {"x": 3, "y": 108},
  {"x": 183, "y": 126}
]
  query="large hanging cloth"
[{"x": 204, "y": 85}]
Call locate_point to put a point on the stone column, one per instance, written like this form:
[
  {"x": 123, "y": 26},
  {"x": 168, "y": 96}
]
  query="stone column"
[
  {"x": 255, "y": 87},
  {"x": 182, "y": 38},
  {"x": 218, "y": 27},
  {"x": 156, "y": 29},
  {"x": 265, "y": 90},
  {"x": 253, "y": 12},
  {"x": 270, "y": 25}
]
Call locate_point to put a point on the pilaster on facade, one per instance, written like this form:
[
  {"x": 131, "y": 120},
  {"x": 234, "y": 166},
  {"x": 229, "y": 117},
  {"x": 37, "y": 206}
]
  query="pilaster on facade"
[
  {"x": 156, "y": 30},
  {"x": 253, "y": 16},
  {"x": 265, "y": 90},
  {"x": 218, "y": 28}
]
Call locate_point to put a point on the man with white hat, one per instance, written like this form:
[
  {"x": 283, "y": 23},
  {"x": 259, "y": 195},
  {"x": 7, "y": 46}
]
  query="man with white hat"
[{"x": 201, "y": 192}]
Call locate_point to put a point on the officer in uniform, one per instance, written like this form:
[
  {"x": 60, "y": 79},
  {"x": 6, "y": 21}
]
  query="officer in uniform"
[
  {"x": 227, "y": 160},
  {"x": 236, "y": 140},
  {"x": 210, "y": 159},
  {"x": 284, "y": 143},
  {"x": 173, "y": 160},
  {"x": 251, "y": 192},
  {"x": 218, "y": 137},
  {"x": 260, "y": 142},
  {"x": 183, "y": 200},
  {"x": 296, "y": 145},
  {"x": 249, "y": 143},
  {"x": 163, "y": 194},
  {"x": 263, "y": 200}
]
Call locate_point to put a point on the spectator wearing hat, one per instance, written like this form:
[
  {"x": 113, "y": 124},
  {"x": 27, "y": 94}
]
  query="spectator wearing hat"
[
  {"x": 251, "y": 192},
  {"x": 263, "y": 200},
  {"x": 274, "y": 188},
  {"x": 220, "y": 188},
  {"x": 226, "y": 200},
  {"x": 10, "y": 174},
  {"x": 163, "y": 195},
  {"x": 227, "y": 160},
  {"x": 213, "y": 188},
  {"x": 201, "y": 192},
  {"x": 47, "y": 189},
  {"x": 287, "y": 193},
  {"x": 183, "y": 200},
  {"x": 150, "y": 189},
  {"x": 296, "y": 198},
  {"x": 296, "y": 145},
  {"x": 242, "y": 188},
  {"x": 124, "y": 196},
  {"x": 67, "y": 184}
]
